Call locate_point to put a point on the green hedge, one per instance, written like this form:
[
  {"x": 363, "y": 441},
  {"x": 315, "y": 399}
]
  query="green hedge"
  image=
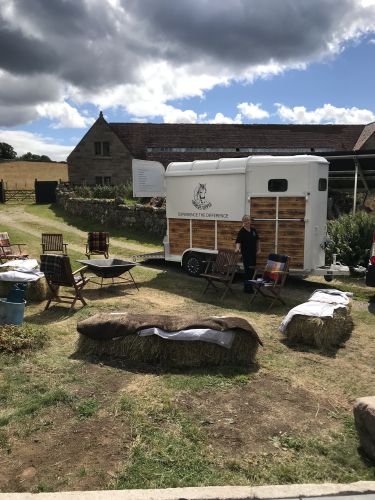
[
  {"x": 351, "y": 238},
  {"x": 105, "y": 191}
]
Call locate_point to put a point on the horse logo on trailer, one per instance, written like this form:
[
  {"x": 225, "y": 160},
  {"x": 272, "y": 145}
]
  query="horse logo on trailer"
[{"x": 199, "y": 200}]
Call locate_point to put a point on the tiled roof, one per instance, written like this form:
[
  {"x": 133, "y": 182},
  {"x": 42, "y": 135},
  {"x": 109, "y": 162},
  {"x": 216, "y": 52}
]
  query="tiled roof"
[
  {"x": 139, "y": 136},
  {"x": 367, "y": 132}
]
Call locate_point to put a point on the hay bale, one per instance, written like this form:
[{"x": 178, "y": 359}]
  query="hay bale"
[
  {"x": 323, "y": 333},
  {"x": 37, "y": 291},
  {"x": 173, "y": 353},
  {"x": 116, "y": 335}
]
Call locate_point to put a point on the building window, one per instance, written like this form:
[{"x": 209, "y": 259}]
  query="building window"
[
  {"x": 322, "y": 186},
  {"x": 277, "y": 185},
  {"x": 102, "y": 148},
  {"x": 106, "y": 151},
  {"x": 99, "y": 180}
]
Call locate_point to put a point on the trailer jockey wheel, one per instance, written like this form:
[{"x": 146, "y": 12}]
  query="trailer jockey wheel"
[
  {"x": 193, "y": 264},
  {"x": 328, "y": 277}
]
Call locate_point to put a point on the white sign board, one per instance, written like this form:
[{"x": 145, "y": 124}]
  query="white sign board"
[
  {"x": 206, "y": 197},
  {"x": 148, "y": 179}
]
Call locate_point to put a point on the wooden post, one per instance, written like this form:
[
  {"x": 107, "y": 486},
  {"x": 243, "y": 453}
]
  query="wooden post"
[{"x": 355, "y": 184}]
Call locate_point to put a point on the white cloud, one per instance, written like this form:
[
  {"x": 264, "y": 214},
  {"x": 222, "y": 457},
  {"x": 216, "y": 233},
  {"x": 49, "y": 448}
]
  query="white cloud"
[
  {"x": 65, "y": 115},
  {"x": 252, "y": 111},
  {"x": 220, "y": 118},
  {"x": 179, "y": 116},
  {"x": 325, "y": 114},
  {"x": 24, "y": 142}
]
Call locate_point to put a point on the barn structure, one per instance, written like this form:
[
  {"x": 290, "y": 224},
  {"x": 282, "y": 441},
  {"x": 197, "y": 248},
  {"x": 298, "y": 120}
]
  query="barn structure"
[{"x": 104, "y": 155}]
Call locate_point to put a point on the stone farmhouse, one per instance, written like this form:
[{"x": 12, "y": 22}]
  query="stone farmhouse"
[{"x": 104, "y": 155}]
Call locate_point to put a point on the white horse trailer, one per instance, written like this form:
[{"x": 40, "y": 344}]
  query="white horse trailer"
[{"x": 286, "y": 195}]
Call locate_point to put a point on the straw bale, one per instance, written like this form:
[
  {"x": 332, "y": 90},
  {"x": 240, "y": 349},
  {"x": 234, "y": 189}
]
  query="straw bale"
[
  {"x": 174, "y": 353},
  {"x": 324, "y": 332},
  {"x": 116, "y": 335},
  {"x": 37, "y": 291}
]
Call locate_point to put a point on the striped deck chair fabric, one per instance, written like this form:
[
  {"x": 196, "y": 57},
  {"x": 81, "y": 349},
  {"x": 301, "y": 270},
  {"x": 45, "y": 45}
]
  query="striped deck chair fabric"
[
  {"x": 272, "y": 278},
  {"x": 97, "y": 243},
  {"x": 275, "y": 264}
]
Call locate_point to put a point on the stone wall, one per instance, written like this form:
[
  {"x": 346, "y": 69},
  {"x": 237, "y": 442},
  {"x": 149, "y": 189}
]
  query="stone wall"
[{"x": 142, "y": 218}]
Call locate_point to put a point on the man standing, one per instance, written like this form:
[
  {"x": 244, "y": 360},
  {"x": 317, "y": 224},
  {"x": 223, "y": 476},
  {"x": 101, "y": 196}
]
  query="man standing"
[{"x": 248, "y": 243}]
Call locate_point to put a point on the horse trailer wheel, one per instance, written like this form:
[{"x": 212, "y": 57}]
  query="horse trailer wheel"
[{"x": 193, "y": 264}]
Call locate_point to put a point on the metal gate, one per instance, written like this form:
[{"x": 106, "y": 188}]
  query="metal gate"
[{"x": 45, "y": 191}]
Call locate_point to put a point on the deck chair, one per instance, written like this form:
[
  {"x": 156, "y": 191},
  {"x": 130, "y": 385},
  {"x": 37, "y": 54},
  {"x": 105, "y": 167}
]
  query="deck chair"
[
  {"x": 97, "y": 244},
  {"x": 221, "y": 270},
  {"x": 271, "y": 281},
  {"x": 58, "y": 272},
  {"x": 53, "y": 243},
  {"x": 10, "y": 251}
]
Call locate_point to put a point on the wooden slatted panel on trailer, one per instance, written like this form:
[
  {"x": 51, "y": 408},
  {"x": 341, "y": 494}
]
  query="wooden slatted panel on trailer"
[
  {"x": 203, "y": 234},
  {"x": 291, "y": 242},
  {"x": 266, "y": 230},
  {"x": 264, "y": 207},
  {"x": 179, "y": 235},
  {"x": 291, "y": 234},
  {"x": 278, "y": 234},
  {"x": 227, "y": 233}
]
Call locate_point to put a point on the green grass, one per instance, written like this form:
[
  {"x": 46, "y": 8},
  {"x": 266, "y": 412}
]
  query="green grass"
[
  {"x": 171, "y": 450},
  {"x": 87, "y": 408},
  {"x": 36, "y": 402},
  {"x": 55, "y": 213}
]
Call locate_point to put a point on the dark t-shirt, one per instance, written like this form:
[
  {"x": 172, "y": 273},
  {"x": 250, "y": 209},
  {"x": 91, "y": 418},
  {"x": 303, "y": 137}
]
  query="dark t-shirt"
[{"x": 248, "y": 241}]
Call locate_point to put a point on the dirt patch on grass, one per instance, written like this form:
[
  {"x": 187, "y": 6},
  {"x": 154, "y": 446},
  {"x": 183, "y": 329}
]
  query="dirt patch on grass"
[
  {"x": 66, "y": 454},
  {"x": 248, "y": 418}
]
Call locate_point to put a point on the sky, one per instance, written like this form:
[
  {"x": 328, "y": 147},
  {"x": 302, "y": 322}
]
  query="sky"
[{"x": 180, "y": 61}]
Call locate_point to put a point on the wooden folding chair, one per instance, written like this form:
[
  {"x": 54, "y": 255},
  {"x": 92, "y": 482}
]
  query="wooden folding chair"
[
  {"x": 10, "y": 251},
  {"x": 52, "y": 242},
  {"x": 58, "y": 272},
  {"x": 270, "y": 282},
  {"x": 97, "y": 244},
  {"x": 222, "y": 270}
]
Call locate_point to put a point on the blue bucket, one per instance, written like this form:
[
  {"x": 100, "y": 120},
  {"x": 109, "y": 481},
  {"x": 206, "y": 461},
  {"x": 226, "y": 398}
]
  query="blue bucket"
[{"x": 11, "y": 313}]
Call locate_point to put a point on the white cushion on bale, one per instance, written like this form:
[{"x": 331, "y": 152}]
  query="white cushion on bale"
[{"x": 364, "y": 416}]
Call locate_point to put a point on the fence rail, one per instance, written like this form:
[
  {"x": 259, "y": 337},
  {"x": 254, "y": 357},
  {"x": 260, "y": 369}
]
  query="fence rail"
[{"x": 43, "y": 192}]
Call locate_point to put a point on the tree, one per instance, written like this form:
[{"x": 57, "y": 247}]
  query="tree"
[
  {"x": 7, "y": 152},
  {"x": 31, "y": 157},
  {"x": 45, "y": 158}
]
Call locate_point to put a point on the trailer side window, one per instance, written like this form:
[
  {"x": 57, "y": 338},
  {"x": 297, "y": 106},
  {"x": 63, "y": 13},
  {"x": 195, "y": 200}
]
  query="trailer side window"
[
  {"x": 322, "y": 186},
  {"x": 275, "y": 185}
]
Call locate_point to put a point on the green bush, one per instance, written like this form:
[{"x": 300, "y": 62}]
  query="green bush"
[{"x": 350, "y": 238}]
